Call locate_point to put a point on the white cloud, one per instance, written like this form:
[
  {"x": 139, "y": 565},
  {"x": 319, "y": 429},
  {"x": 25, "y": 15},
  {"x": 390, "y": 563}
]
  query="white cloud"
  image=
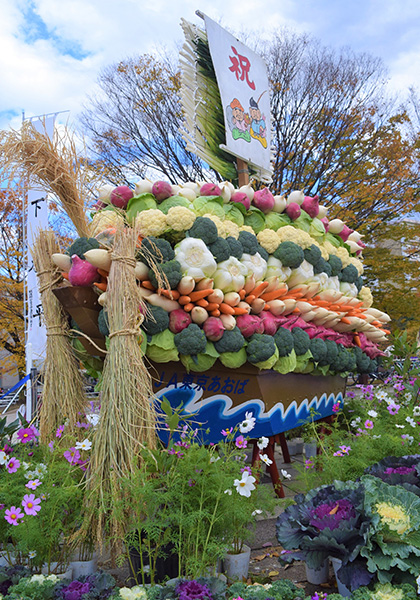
[{"x": 77, "y": 38}]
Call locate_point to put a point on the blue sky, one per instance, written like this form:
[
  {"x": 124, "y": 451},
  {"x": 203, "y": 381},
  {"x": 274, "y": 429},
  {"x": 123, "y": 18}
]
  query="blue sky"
[{"x": 51, "y": 51}]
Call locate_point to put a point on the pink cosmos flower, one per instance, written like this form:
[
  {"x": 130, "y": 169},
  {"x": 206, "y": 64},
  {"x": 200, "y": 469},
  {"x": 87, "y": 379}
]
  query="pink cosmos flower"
[
  {"x": 72, "y": 455},
  {"x": 345, "y": 449},
  {"x": 13, "y": 465},
  {"x": 240, "y": 442},
  {"x": 393, "y": 408},
  {"x": 33, "y": 484},
  {"x": 225, "y": 432},
  {"x": 13, "y": 514},
  {"x": 31, "y": 505},
  {"x": 309, "y": 464},
  {"x": 51, "y": 445},
  {"x": 368, "y": 424},
  {"x": 26, "y": 435},
  {"x": 59, "y": 431},
  {"x": 336, "y": 407}
]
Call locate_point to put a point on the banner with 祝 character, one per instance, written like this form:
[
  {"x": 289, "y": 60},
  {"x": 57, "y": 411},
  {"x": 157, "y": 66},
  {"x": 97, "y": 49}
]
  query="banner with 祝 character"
[
  {"x": 36, "y": 219},
  {"x": 242, "y": 79}
]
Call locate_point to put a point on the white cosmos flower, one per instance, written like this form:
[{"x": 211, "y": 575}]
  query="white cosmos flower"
[
  {"x": 247, "y": 424},
  {"x": 93, "y": 419},
  {"x": 372, "y": 413},
  {"x": 399, "y": 426},
  {"x": 416, "y": 411},
  {"x": 285, "y": 474},
  {"x": 245, "y": 485},
  {"x": 265, "y": 459},
  {"x": 32, "y": 554},
  {"x": 3, "y": 458},
  {"x": 85, "y": 445},
  {"x": 228, "y": 492},
  {"x": 381, "y": 395},
  {"x": 262, "y": 442},
  {"x": 256, "y": 512},
  {"x": 214, "y": 459},
  {"x": 411, "y": 421}
]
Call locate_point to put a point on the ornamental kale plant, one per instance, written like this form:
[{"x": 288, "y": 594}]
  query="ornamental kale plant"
[
  {"x": 399, "y": 470},
  {"x": 98, "y": 586},
  {"x": 282, "y": 589},
  {"x": 202, "y": 588},
  {"x": 328, "y": 521}
]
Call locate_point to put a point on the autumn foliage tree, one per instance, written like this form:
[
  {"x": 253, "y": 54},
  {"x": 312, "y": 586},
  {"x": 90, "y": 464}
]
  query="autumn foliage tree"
[{"x": 12, "y": 325}]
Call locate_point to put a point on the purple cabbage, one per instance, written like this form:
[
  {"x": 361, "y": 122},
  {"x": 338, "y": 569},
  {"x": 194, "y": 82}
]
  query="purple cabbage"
[{"x": 192, "y": 590}]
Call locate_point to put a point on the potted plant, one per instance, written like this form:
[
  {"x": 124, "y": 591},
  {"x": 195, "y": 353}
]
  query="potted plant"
[
  {"x": 191, "y": 501},
  {"x": 328, "y": 522}
]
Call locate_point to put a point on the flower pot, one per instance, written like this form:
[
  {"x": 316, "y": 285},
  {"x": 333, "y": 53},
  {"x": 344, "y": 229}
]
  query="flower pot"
[
  {"x": 61, "y": 571},
  {"x": 310, "y": 449},
  {"x": 317, "y": 576},
  {"x": 295, "y": 446},
  {"x": 236, "y": 566},
  {"x": 342, "y": 589},
  {"x": 166, "y": 566},
  {"x": 84, "y": 567}
]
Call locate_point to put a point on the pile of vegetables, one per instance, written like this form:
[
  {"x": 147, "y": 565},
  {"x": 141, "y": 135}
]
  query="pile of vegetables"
[{"x": 250, "y": 277}]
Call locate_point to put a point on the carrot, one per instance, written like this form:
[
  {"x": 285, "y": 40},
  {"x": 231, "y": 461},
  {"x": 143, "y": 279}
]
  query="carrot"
[
  {"x": 267, "y": 307},
  {"x": 259, "y": 289},
  {"x": 238, "y": 310},
  {"x": 184, "y": 300},
  {"x": 357, "y": 340},
  {"x": 215, "y": 313},
  {"x": 65, "y": 276},
  {"x": 345, "y": 320},
  {"x": 103, "y": 273},
  {"x": 148, "y": 285},
  {"x": 101, "y": 286},
  {"x": 226, "y": 309},
  {"x": 250, "y": 298},
  {"x": 272, "y": 295},
  {"x": 172, "y": 294},
  {"x": 296, "y": 310},
  {"x": 104, "y": 279},
  {"x": 188, "y": 307},
  {"x": 203, "y": 303},
  {"x": 212, "y": 306},
  {"x": 242, "y": 294},
  {"x": 200, "y": 294}
]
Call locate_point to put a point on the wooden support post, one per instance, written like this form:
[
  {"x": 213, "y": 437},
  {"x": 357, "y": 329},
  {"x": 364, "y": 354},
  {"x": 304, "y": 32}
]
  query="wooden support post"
[
  {"x": 271, "y": 469},
  {"x": 243, "y": 173},
  {"x": 284, "y": 448}
]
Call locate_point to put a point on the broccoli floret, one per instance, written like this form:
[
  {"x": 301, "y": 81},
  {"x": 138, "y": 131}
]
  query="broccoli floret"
[
  {"x": 235, "y": 246},
  {"x": 82, "y": 245},
  {"x": 335, "y": 264},
  {"x": 220, "y": 250},
  {"x": 231, "y": 341},
  {"x": 290, "y": 254},
  {"x": 284, "y": 341},
  {"x": 156, "y": 320},
  {"x": 249, "y": 242},
  {"x": 345, "y": 361},
  {"x": 204, "y": 229},
  {"x": 191, "y": 340},
  {"x": 171, "y": 270},
  {"x": 301, "y": 341},
  {"x": 362, "y": 360},
  {"x": 349, "y": 274},
  {"x": 103, "y": 324},
  {"x": 155, "y": 250},
  {"x": 260, "y": 348},
  {"x": 373, "y": 367},
  {"x": 332, "y": 352},
  {"x": 359, "y": 283},
  {"x": 312, "y": 254},
  {"x": 322, "y": 266},
  {"x": 263, "y": 252},
  {"x": 318, "y": 349}
]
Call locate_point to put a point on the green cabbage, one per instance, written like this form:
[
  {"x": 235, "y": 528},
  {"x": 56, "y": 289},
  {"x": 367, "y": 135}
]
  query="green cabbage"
[
  {"x": 276, "y": 220},
  {"x": 174, "y": 201},
  {"x": 317, "y": 229},
  {"x": 303, "y": 222},
  {"x": 234, "y": 213},
  {"x": 201, "y": 362},
  {"x": 233, "y": 360},
  {"x": 335, "y": 240},
  {"x": 302, "y": 363},
  {"x": 162, "y": 347},
  {"x": 138, "y": 204},
  {"x": 212, "y": 205},
  {"x": 255, "y": 218},
  {"x": 286, "y": 364}
]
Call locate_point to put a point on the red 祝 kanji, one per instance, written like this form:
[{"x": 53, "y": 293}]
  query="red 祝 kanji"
[{"x": 240, "y": 66}]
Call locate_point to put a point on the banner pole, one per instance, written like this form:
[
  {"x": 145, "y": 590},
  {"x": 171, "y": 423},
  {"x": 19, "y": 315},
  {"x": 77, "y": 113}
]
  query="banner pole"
[{"x": 243, "y": 172}]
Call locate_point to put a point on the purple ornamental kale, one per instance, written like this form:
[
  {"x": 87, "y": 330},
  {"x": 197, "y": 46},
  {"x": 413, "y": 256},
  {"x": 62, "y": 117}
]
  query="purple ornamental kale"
[
  {"x": 192, "y": 590},
  {"x": 331, "y": 514},
  {"x": 75, "y": 590},
  {"x": 400, "y": 470}
]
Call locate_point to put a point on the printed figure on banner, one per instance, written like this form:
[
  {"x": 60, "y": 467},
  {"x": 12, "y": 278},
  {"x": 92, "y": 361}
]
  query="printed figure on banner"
[
  {"x": 239, "y": 122},
  {"x": 258, "y": 128}
]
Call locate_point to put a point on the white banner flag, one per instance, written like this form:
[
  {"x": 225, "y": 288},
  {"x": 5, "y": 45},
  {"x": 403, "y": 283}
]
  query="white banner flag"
[
  {"x": 36, "y": 219},
  {"x": 244, "y": 90}
]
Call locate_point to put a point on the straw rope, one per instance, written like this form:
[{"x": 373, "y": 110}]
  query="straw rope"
[{"x": 63, "y": 395}]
